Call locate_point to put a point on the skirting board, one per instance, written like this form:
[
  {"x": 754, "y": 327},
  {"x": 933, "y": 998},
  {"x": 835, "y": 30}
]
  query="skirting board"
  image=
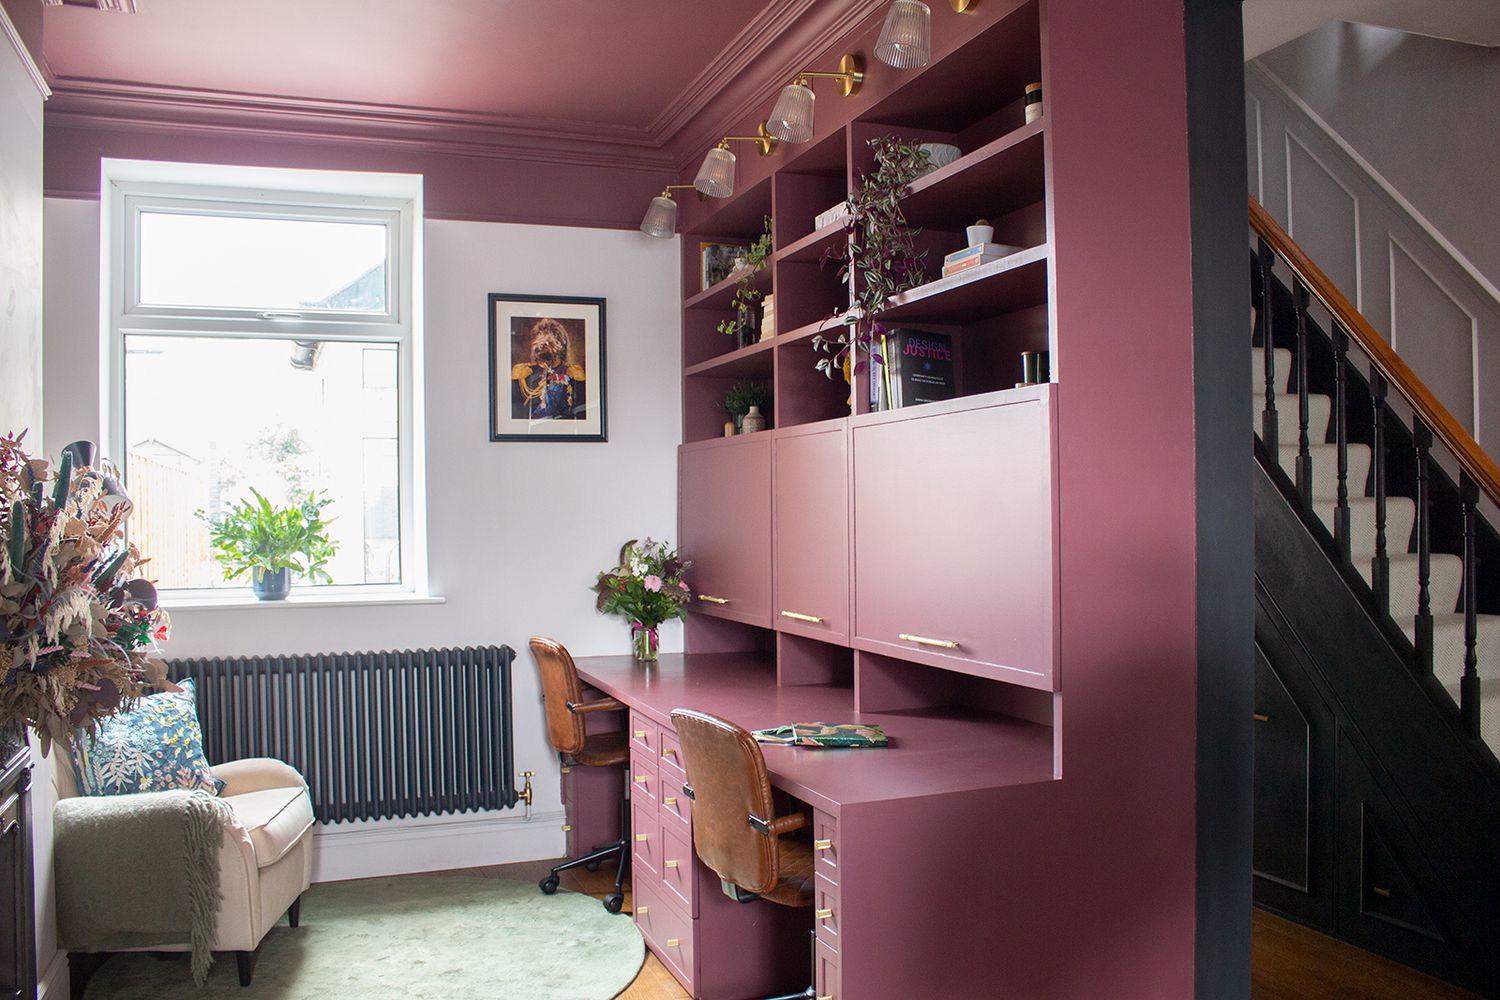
[
  {"x": 441, "y": 843},
  {"x": 54, "y": 983}
]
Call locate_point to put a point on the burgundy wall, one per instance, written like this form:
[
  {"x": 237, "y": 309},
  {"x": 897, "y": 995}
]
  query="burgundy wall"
[{"x": 475, "y": 187}]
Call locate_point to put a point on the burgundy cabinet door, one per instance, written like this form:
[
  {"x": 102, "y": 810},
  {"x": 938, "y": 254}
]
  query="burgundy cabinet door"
[
  {"x": 953, "y": 533},
  {"x": 812, "y": 533},
  {"x": 725, "y": 526}
]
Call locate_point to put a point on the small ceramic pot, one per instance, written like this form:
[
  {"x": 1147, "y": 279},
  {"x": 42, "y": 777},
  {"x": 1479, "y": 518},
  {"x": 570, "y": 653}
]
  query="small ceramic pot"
[
  {"x": 980, "y": 234},
  {"x": 754, "y": 421},
  {"x": 271, "y": 586}
]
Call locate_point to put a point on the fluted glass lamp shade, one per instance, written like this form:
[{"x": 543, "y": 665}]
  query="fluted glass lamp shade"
[
  {"x": 661, "y": 218},
  {"x": 792, "y": 118},
  {"x": 906, "y": 38},
  {"x": 716, "y": 176}
]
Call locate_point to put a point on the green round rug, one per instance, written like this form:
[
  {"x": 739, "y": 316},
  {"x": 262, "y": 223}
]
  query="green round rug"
[{"x": 437, "y": 937}]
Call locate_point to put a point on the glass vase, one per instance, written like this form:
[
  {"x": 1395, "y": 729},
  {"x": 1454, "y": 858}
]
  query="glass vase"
[{"x": 645, "y": 643}]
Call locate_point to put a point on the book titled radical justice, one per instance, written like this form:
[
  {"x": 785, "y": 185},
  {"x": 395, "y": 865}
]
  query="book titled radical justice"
[{"x": 918, "y": 368}]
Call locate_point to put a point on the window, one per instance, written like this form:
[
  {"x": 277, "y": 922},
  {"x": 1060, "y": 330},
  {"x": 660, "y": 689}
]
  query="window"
[{"x": 262, "y": 337}]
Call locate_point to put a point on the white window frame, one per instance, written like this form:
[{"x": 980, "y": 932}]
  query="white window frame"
[{"x": 130, "y": 187}]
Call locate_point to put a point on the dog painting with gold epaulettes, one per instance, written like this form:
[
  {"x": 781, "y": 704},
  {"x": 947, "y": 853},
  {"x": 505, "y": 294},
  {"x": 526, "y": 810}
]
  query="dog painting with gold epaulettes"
[{"x": 547, "y": 386}]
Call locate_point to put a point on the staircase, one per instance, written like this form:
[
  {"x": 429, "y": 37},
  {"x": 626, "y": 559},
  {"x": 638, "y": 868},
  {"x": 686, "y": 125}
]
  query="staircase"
[{"x": 1377, "y": 811}]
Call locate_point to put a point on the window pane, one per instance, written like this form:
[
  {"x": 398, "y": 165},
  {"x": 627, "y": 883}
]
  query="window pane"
[
  {"x": 239, "y": 262},
  {"x": 207, "y": 420}
]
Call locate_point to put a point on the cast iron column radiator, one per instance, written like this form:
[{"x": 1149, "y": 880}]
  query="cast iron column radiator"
[{"x": 376, "y": 735}]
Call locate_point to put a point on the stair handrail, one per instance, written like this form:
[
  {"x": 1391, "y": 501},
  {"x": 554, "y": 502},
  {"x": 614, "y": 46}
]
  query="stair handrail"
[{"x": 1480, "y": 467}]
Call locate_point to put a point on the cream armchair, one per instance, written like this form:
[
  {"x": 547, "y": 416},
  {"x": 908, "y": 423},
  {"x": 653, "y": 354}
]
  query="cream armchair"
[{"x": 265, "y": 862}]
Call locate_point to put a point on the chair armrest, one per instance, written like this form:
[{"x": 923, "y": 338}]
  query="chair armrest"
[
  {"x": 779, "y": 825},
  {"x": 255, "y": 774},
  {"x": 602, "y": 705}
]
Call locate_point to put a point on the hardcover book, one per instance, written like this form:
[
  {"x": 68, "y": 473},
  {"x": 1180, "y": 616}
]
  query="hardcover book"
[{"x": 919, "y": 367}]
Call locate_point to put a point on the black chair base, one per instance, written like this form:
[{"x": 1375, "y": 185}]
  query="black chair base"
[{"x": 619, "y": 850}]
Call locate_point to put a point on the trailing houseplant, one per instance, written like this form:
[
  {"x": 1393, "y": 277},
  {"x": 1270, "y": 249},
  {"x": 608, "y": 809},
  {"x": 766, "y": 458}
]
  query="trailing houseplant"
[
  {"x": 77, "y": 624},
  {"x": 646, "y": 588},
  {"x": 743, "y": 395},
  {"x": 746, "y": 296},
  {"x": 270, "y": 543},
  {"x": 879, "y": 256}
]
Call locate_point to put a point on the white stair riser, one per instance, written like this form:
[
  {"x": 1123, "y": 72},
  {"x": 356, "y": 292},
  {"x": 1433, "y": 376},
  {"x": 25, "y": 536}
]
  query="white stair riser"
[
  {"x": 1400, "y": 517},
  {"x": 1288, "y": 429},
  {"x": 1283, "y": 361},
  {"x": 1325, "y": 468}
]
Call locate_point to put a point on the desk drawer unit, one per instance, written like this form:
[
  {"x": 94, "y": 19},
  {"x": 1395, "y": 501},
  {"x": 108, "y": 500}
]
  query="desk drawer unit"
[
  {"x": 667, "y": 930},
  {"x": 643, "y": 780},
  {"x": 826, "y": 845},
  {"x": 677, "y": 860},
  {"x": 826, "y": 911},
  {"x": 645, "y": 736},
  {"x": 645, "y": 843}
]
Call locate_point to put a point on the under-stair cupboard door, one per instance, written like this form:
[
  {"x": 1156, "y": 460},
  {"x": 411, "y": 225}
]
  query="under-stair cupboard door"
[
  {"x": 725, "y": 526},
  {"x": 812, "y": 532},
  {"x": 930, "y": 586}
]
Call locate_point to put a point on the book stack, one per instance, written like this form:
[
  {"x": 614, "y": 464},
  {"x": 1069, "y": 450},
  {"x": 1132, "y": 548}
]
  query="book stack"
[
  {"x": 980, "y": 253},
  {"x": 837, "y": 213},
  {"x": 768, "y": 317},
  {"x": 911, "y": 367}
]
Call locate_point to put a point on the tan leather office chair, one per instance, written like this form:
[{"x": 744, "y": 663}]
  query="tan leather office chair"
[
  {"x": 566, "y": 711},
  {"x": 736, "y": 831}
]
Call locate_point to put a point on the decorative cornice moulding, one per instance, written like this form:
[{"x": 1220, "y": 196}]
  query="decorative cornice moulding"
[
  {"x": 8, "y": 29},
  {"x": 108, "y": 104}
]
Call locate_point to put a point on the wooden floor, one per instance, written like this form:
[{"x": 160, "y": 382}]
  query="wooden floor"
[
  {"x": 654, "y": 981},
  {"x": 1292, "y": 962}
]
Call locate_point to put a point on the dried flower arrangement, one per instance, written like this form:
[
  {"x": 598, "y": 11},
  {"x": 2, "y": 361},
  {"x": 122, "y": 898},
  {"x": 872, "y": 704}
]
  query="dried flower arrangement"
[{"x": 77, "y": 626}]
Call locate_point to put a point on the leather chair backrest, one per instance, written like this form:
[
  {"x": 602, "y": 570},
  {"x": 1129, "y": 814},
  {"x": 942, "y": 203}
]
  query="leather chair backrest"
[
  {"x": 560, "y": 688},
  {"x": 727, "y": 772}
]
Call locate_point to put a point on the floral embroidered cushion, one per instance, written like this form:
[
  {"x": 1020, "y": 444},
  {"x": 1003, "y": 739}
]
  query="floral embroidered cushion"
[{"x": 156, "y": 746}]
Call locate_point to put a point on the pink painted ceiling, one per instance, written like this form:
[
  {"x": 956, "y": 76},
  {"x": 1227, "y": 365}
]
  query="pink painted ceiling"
[{"x": 614, "y": 63}]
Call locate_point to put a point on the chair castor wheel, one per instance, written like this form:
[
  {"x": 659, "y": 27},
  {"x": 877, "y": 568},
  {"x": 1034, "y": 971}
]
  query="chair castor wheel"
[
  {"x": 614, "y": 902},
  {"x": 548, "y": 885},
  {"x": 592, "y": 866}
]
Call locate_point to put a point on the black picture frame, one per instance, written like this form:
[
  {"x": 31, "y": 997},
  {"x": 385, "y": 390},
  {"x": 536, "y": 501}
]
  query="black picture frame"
[{"x": 547, "y": 368}]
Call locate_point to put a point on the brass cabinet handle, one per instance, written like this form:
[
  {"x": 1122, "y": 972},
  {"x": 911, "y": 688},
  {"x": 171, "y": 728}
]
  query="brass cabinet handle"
[
  {"x": 641, "y": 779},
  {"x": 669, "y": 752},
  {"x": 669, "y": 864},
  {"x": 567, "y": 828},
  {"x": 822, "y": 845},
  {"x": 674, "y": 942},
  {"x": 567, "y": 770},
  {"x": 710, "y": 599},
  {"x": 1262, "y": 717},
  {"x": 641, "y": 911},
  {"x": 797, "y": 616},
  {"x": 670, "y": 800},
  {"x": 1381, "y": 891},
  {"x": 639, "y": 734},
  {"x": 823, "y": 914},
  {"x": 642, "y": 837},
  {"x": 825, "y": 996},
  {"x": 922, "y": 640}
]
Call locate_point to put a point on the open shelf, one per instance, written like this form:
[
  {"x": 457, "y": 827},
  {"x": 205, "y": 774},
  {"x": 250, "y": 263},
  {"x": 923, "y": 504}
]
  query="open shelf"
[
  {"x": 719, "y": 296},
  {"x": 1000, "y": 286},
  {"x": 996, "y": 179},
  {"x": 812, "y": 247},
  {"x": 745, "y": 362}
]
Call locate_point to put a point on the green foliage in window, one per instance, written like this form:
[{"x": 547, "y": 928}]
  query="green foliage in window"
[{"x": 255, "y": 534}]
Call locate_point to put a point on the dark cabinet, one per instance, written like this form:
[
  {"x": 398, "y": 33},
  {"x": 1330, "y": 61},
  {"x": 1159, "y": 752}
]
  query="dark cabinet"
[{"x": 17, "y": 931}]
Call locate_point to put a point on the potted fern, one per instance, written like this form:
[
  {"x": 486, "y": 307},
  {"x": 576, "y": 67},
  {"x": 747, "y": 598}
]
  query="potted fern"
[{"x": 270, "y": 543}]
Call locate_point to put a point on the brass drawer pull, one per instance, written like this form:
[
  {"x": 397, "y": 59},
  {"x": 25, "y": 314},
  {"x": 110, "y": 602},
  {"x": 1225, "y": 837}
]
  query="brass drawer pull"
[
  {"x": 567, "y": 828},
  {"x": 567, "y": 770},
  {"x": 641, "y": 779},
  {"x": 922, "y": 640},
  {"x": 822, "y": 845},
  {"x": 670, "y": 800},
  {"x": 639, "y": 734},
  {"x": 669, "y": 752},
  {"x": 825, "y": 996},
  {"x": 642, "y": 837},
  {"x": 641, "y": 911},
  {"x": 823, "y": 914},
  {"x": 1262, "y": 717},
  {"x": 674, "y": 942},
  {"x": 1381, "y": 891},
  {"x": 710, "y": 599},
  {"x": 669, "y": 864},
  {"x": 797, "y": 616}
]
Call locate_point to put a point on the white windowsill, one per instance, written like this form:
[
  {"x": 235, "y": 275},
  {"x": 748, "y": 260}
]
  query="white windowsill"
[{"x": 227, "y": 602}]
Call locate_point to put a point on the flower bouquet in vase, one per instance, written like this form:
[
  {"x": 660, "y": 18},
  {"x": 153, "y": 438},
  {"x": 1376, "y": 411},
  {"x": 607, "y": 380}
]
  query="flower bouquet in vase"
[{"x": 646, "y": 588}]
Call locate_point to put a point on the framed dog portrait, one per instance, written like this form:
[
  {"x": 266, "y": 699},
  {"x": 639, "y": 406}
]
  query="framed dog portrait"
[{"x": 546, "y": 368}]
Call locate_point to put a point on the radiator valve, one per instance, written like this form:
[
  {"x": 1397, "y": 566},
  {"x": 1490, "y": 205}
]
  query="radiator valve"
[{"x": 525, "y": 794}]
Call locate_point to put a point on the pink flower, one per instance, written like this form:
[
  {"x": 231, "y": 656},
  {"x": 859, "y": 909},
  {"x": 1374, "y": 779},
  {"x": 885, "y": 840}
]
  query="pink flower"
[
  {"x": 653, "y": 583},
  {"x": 684, "y": 587}
]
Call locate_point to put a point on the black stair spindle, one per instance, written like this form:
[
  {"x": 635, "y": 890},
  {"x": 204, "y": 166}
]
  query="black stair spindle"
[
  {"x": 1380, "y": 568},
  {"x": 1422, "y": 436},
  {"x": 1304, "y": 449},
  {"x": 1341, "y": 436},
  {"x": 1468, "y": 703},
  {"x": 1268, "y": 428}
]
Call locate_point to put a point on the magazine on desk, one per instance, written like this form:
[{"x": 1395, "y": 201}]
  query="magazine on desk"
[{"x": 825, "y": 735}]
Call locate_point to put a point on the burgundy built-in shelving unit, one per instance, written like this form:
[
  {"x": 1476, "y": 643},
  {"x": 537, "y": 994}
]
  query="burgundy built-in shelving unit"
[{"x": 839, "y": 531}]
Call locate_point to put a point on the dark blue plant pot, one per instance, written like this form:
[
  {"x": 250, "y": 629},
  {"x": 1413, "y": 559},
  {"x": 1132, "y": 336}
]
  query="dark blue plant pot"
[{"x": 271, "y": 586}]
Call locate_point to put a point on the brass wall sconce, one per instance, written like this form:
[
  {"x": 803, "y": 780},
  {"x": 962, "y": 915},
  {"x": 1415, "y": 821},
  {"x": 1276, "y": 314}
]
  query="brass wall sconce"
[
  {"x": 661, "y": 215},
  {"x": 716, "y": 176},
  {"x": 792, "y": 118}
]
